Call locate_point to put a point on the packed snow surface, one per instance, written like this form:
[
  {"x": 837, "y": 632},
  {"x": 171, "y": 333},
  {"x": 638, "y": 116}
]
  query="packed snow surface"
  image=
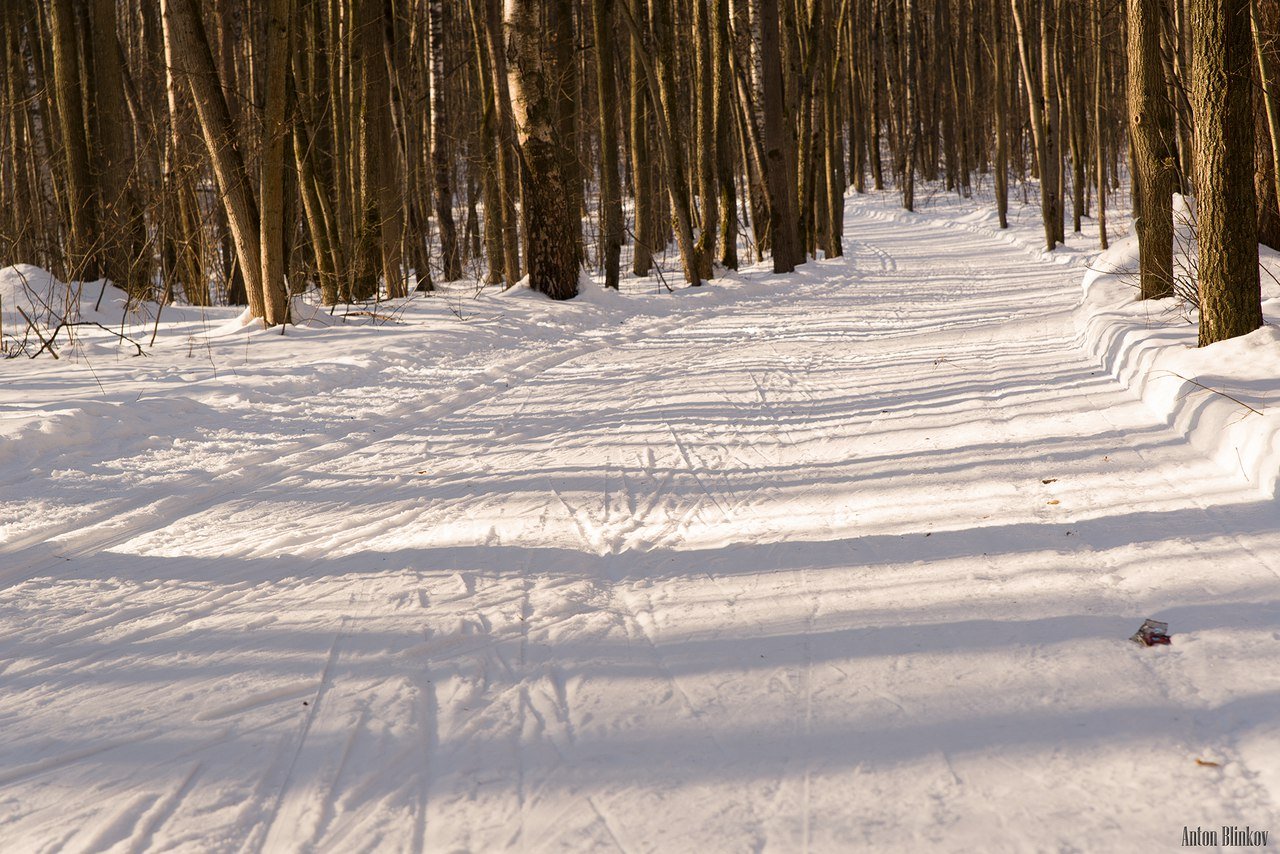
[{"x": 841, "y": 559}]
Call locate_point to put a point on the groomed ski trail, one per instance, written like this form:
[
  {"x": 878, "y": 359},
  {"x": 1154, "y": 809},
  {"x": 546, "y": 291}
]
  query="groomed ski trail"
[{"x": 847, "y": 561}]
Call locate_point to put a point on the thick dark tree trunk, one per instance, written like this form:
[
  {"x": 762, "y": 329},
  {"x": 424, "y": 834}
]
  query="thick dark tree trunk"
[
  {"x": 785, "y": 237},
  {"x": 272, "y": 165},
  {"x": 81, "y": 201},
  {"x": 1222, "y": 101},
  {"x": 124, "y": 238},
  {"x": 549, "y": 211}
]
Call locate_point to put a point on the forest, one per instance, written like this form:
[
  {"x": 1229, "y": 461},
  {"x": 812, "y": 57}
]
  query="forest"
[
  {"x": 639, "y": 425},
  {"x": 219, "y": 152}
]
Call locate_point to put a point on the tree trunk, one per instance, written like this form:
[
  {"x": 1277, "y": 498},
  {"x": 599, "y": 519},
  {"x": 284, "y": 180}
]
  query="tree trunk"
[
  {"x": 610, "y": 184},
  {"x": 706, "y": 155},
  {"x": 490, "y": 149},
  {"x": 193, "y": 64},
  {"x": 549, "y": 210},
  {"x": 1038, "y": 108},
  {"x": 1264, "y": 19},
  {"x": 1099, "y": 123},
  {"x": 1222, "y": 56},
  {"x": 1051, "y": 171},
  {"x": 782, "y": 220},
  {"x": 724, "y": 125},
  {"x": 911, "y": 116},
  {"x": 508, "y": 155},
  {"x": 1151, "y": 132},
  {"x": 81, "y": 199},
  {"x": 1000, "y": 65},
  {"x": 274, "y": 130},
  {"x": 662, "y": 97},
  {"x": 124, "y": 238},
  {"x": 441, "y": 169},
  {"x": 642, "y": 190}
]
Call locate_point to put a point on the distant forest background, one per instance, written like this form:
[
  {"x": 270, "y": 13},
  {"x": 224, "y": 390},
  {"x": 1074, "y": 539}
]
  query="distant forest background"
[{"x": 238, "y": 151}]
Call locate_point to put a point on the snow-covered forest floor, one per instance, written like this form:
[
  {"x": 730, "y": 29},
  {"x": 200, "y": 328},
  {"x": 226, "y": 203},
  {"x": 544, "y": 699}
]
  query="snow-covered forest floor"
[{"x": 838, "y": 559}]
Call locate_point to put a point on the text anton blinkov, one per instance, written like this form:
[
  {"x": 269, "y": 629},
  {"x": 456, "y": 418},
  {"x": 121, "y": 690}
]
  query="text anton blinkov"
[{"x": 1228, "y": 836}]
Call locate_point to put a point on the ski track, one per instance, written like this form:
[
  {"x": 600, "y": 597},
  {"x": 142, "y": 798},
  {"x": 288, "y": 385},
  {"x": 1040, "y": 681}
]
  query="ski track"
[{"x": 778, "y": 573}]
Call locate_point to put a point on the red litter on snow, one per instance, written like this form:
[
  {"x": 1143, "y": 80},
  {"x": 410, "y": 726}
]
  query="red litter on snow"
[{"x": 1152, "y": 633}]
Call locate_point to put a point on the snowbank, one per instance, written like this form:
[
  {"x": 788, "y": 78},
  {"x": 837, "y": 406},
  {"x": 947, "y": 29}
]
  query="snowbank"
[
  {"x": 1222, "y": 397},
  {"x": 99, "y": 318},
  {"x": 35, "y": 292}
]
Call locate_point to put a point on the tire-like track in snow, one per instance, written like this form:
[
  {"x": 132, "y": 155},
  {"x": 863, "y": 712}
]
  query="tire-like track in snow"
[{"x": 849, "y": 560}]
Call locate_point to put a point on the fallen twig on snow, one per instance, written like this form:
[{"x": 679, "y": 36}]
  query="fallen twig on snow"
[
  {"x": 1199, "y": 384},
  {"x": 47, "y": 344},
  {"x": 31, "y": 325}
]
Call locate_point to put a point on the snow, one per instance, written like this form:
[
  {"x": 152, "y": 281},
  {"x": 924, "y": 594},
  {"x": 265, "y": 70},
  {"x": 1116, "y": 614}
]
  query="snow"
[
  {"x": 847, "y": 558},
  {"x": 1218, "y": 396}
]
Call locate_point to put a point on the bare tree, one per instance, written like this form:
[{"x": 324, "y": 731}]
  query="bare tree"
[
  {"x": 1222, "y": 59},
  {"x": 1154, "y": 158},
  {"x": 549, "y": 210},
  {"x": 782, "y": 218}
]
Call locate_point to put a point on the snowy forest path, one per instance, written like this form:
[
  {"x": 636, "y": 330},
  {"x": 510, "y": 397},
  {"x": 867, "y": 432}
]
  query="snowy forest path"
[{"x": 847, "y": 558}]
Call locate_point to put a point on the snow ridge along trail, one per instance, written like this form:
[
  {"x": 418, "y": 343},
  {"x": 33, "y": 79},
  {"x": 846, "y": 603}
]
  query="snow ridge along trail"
[{"x": 838, "y": 560}]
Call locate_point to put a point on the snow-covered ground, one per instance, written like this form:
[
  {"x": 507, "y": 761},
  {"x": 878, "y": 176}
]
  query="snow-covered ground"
[{"x": 836, "y": 560}]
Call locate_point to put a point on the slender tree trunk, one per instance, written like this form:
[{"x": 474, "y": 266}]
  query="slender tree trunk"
[
  {"x": 642, "y": 189},
  {"x": 1265, "y": 45},
  {"x": 193, "y": 64},
  {"x": 508, "y": 159},
  {"x": 1000, "y": 110},
  {"x": 441, "y": 170},
  {"x": 1154, "y": 159},
  {"x": 1046, "y": 148},
  {"x": 662, "y": 97},
  {"x": 187, "y": 242},
  {"x": 706, "y": 153},
  {"x": 1264, "y": 176},
  {"x": 911, "y": 126},
  {"x": 490, "y": 149},
  {"x": 724, "y": 125},
  {"x": 1099, "y": 120},
  {"x": 610, "y": 183},
  {"x": 1073, "y": 83},
  {"x": 1051, "y": 171},
  {"x": 749, "y": 133}
]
